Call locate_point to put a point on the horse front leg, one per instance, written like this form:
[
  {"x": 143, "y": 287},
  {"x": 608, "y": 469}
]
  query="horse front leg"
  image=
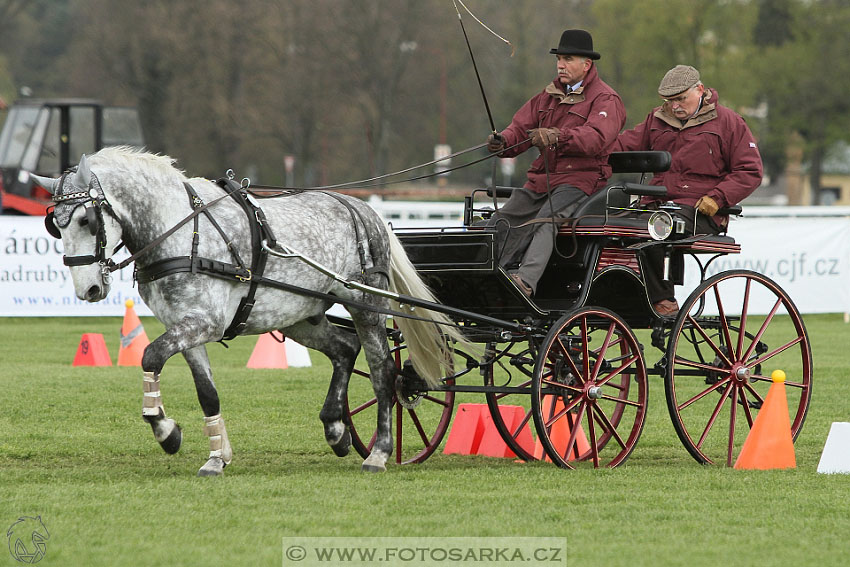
[
  {"x": 187, "y": 334},
  {"x": 221, "y": 453}
]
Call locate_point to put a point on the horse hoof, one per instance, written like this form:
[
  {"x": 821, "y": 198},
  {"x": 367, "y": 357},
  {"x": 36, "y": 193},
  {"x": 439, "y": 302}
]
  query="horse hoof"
[
  {"x": 213, "y": 467},
  {"x": 343, "y": 446},
  {"x": 171, "y": 444},
  {"x": 373, "y": 468}
]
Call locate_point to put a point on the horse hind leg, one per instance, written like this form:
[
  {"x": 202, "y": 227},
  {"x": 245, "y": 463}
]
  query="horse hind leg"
[
  {"x": 166, "y": 431},
  {"x": 341, "y": 348},
  {"x": 371, "y": 329}
]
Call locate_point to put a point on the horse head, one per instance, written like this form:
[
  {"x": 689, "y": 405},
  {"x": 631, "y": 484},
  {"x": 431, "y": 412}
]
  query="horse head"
[{"x": 89, "y": 230}]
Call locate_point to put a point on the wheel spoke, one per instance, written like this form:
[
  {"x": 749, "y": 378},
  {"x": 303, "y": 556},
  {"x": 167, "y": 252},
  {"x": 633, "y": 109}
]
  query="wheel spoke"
[
  {"x": 585, "y": 353},
  {"x": 571, "y": 362},
  {"x": 722, "y": 314},
  {"x": 744, "y": 311},
  {"x": 755, "y": 394},
  {"x": 702, "y": 394},
  {"x": 522, "y": 424},
  {"x": 746, "y": 404},
  {"x": 714, "y": 415},
  {"x": 418, "y": 425},
  {"x": 362, "y": 407},
  {"x": 398, "y": 437},
  {"x": 606, "y": 423},
  {"x": 562, "y": 386},
  {"x": 620, "y": 401},
  {"x": 618, "y": 371},
  {"x": 594, "y": 448},
  {"x": 762, "y": 329},
  {"x": 601, "y": 352},
  {"x": 437, "y": 401},
  {"x": 714, "y": 347},
  {"x": 768, "y": 356},
  {"x": 553, "y": 417},
  {"x": 694, "y": 364},
  {"x": 732, "y": 415},
  {"x": 571, "y": 442}
]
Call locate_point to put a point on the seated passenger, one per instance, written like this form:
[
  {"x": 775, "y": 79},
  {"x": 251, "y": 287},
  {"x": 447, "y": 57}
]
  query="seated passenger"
[
  {"x": 575, "y": 121},
  {"x": 715, "y": 163}
]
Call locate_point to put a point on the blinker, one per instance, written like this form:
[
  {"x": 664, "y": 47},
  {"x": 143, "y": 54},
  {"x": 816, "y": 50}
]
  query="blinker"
[
  {"x": 91, "y": 219},
  {"x": 50, "y": 225}
]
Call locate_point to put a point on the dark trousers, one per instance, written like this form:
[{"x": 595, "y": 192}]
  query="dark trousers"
[
  {"x": 657, "y": 288},
  {"x": 531, "y": 246}
]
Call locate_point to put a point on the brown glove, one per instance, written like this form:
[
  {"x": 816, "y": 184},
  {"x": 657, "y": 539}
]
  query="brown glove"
[
  {"x": 707, "y": 206},
  {"x": 495, "y": 143},
  {"x": 544, "y": 137}
]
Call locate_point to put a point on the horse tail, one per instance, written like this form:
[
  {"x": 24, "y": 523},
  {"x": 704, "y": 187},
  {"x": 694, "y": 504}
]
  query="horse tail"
[{"x": 430, "y": 344}]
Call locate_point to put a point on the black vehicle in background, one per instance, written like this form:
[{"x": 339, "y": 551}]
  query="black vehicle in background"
[{"x": 47, "y": 136}]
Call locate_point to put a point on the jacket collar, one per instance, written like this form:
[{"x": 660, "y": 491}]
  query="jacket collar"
[
  {"x": 556, "y": 90},
  {"x": 708, "y": 111}
]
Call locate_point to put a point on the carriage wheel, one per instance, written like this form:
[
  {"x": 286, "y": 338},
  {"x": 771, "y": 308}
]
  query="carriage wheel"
[
  {"x": 516, "y": 435},
  {"x": 733, "y": 330},
  {"x": 585, "y": 407},
  {"x": 421, "y": 418}
]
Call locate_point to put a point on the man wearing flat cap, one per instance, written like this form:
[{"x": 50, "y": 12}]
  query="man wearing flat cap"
[
  {"x": 574, "y": 123},
  {"x": 716, "y": 163}
]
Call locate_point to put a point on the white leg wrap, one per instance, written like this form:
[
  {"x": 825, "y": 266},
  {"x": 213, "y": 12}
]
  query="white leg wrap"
[
  {"x": 219, "y": 443},
  {"x": 152, "y": 403}
]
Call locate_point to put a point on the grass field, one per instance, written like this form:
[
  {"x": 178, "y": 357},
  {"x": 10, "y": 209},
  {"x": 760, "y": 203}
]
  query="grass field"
[{"x": 74, "y": 450}]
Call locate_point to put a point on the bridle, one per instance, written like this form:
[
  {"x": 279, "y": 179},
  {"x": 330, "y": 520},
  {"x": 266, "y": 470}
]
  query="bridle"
[{"x": 95, "y": 204}]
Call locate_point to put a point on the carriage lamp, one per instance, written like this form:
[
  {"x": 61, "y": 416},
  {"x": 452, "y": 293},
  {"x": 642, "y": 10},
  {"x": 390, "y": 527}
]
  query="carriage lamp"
[{"x": 660, "y": 225}]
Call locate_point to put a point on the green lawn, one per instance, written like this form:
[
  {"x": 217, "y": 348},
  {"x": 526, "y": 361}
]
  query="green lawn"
[{"x": 74, "y": 450}]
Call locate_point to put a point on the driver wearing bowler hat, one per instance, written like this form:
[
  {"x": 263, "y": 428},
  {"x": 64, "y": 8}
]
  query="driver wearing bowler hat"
[{"x": 574, "y": 123}]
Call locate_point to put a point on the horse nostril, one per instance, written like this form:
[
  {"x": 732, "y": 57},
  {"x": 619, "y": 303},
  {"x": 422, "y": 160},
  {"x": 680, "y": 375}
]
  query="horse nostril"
[{"x": 93, "y": 293}]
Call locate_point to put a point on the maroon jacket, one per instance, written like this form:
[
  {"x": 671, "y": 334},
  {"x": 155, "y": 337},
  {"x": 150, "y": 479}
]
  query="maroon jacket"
[
  {"x": 589, "y": 119},
  {"x": 714, "y": 153}
]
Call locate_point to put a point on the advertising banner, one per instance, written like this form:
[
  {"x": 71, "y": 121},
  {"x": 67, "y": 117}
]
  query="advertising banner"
[{"x": 808, "y": 256}]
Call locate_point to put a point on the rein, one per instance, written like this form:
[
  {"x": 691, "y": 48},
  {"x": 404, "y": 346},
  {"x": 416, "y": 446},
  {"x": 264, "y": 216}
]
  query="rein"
[{"x": 366, "y": 183}]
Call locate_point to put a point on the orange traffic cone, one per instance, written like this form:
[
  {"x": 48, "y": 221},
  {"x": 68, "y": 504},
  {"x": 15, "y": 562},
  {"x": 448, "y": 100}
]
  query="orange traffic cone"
[
  {"x": 269, "y": 352},
  {"x": 92, "y": 351},
  {"x": 492, "y": 444},
  {"x": 467, "y": 430},
  {"x": 769, "y": 444},
  {"x": 133, "y": 338},
  {"x": 560, "y": 434}
]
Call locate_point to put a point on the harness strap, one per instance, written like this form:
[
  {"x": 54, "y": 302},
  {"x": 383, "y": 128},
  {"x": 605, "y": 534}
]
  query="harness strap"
[
  {"x": 362, "y": 242},
  {"x": 259, "y": 229}
]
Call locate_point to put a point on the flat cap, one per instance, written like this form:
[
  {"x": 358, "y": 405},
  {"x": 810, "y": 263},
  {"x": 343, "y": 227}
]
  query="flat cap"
[{"x": 677, "y": 80}]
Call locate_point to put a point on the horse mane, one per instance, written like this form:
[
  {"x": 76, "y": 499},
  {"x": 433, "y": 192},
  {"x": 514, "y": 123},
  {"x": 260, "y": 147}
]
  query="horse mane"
[{"x": 131, "y": 157}]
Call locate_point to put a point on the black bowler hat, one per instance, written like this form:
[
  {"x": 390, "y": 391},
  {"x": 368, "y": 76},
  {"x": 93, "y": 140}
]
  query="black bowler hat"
[{"x": 575, "y": 42}]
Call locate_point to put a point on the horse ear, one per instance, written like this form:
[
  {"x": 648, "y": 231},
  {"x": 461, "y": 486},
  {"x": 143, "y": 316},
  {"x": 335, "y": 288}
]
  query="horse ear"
[
  {"x": 82, "y": 179},
  {"x": 49, "y": 183}
]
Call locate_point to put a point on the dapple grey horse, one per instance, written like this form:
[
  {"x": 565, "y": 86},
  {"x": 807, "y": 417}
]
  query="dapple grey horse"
[{"x": 124, "y": 195}]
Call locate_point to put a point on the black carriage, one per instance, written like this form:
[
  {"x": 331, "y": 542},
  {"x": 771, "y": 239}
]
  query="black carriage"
[{"x": 575, "y": 357}]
